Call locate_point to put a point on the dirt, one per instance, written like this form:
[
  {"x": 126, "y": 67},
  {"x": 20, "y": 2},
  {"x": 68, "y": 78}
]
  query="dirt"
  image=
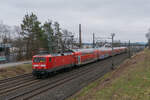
[{"x": 14, "y": 71}]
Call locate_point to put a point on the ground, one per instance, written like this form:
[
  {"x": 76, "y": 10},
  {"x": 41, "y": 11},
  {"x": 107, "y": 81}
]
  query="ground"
[
  {"x": 12, "y": 64},
  {"x": 129, "y": 81},
  {"x": 15, "y": 70}
]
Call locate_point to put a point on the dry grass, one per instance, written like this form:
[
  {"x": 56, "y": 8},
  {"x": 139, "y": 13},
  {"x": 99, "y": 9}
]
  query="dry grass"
[{"x": 15, "y": 70}]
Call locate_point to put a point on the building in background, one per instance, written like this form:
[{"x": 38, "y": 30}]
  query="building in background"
[{"x": 4, "y": 52}]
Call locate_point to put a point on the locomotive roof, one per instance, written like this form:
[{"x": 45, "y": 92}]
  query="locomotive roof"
[
  {"x": 53, "y": 54},
  {"x": 43, "y": 55}
]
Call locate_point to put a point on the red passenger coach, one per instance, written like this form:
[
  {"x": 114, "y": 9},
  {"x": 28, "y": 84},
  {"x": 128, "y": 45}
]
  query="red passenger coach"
[
  {"x": 84, "y": 56},
  {"x": 47, "y": 63}
]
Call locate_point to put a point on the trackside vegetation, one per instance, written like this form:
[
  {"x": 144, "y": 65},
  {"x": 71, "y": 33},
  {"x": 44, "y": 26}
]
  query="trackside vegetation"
[
  {"x": 14, "y": 71},
  {"x": 130, "y": 81}
]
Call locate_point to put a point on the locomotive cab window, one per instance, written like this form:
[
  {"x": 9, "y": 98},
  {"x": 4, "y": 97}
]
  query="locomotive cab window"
[{"x": 39, "y": 59}]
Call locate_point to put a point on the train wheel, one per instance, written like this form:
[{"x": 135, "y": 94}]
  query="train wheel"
[
  {"x": 38, "y": 77},
  {"x": 47, "y": 75}
]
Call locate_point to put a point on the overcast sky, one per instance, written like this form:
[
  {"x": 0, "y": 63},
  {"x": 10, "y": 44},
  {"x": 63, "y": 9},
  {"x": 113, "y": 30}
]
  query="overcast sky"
[{"x": 129, "y": 19}]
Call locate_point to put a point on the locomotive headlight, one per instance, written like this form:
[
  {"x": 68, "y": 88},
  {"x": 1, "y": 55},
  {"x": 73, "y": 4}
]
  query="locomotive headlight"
[
  {"x": 35, "y": 65},
  {"x": 43, "y": 65}
]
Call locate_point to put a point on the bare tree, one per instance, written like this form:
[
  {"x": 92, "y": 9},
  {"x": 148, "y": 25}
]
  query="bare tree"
[
  {"x": 67, "y": 39},
  {"x": 5, "y": 32},
  {"x": 148, "y": 37},
  {"x": 18, "y": 44},
  {"x": 5, "y": 37}
]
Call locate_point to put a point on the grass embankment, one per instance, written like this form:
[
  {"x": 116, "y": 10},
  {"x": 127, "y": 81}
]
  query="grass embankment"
[
  {"x": 130, "y": 81},
  {"x": 15, "y": 70}
]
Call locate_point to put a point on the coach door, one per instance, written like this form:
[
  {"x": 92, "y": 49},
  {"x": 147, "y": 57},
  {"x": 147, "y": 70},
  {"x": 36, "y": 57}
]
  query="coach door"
[{"x": 79, "y": 60}]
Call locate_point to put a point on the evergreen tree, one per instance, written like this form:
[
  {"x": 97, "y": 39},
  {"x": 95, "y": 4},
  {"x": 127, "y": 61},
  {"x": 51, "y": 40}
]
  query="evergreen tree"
[{"x": 33, "y": 34}]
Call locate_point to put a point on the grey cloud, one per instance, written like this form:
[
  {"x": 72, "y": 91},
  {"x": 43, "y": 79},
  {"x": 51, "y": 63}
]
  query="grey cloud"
[{"x": 128, "y": 18}]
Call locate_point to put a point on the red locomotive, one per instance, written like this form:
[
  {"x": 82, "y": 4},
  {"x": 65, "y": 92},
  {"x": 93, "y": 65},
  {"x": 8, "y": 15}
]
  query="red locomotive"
[{"x": 44, "y": 64}]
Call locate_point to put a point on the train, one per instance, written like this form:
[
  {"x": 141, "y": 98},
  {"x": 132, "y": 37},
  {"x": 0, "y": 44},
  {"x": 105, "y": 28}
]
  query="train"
[{"x": 44, "y": 64}]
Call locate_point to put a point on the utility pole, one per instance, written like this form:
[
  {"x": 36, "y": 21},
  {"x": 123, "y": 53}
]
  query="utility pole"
[
  {"x": 112, "y": 37},
  {"x": 149, "y": 43},
  {"x": 129, "y": 49},
  {"x": 119, "y": 43},
  {"x": 148, "y": 38},
  {"x": 80, "y": 39},
  {"x": 93, "y": 40},
  {"x": 72, "y": 38}
]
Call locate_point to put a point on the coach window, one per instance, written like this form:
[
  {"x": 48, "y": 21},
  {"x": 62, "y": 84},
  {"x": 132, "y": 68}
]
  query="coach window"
[{"x": 50, "y": 59}]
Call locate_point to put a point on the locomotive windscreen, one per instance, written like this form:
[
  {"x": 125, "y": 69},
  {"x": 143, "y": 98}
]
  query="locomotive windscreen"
[{"x": 39, "y": 59}]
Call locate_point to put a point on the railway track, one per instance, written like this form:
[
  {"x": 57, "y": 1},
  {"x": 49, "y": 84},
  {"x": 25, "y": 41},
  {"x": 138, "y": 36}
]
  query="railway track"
[
  {"x": 38, "y": 84},
  {"x": 15, "y": 82},
  {"x": 32, "y": 87},
  {"x": 50, "y": 85},
  {"x": 20, "y": 77}
]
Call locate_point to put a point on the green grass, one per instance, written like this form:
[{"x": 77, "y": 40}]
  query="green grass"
[
  {"x": 14, "y": 71},
  {"x": 132, "y": 84}
]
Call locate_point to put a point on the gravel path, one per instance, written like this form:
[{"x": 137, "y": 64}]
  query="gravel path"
[{"x": 14, "y": 64}]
